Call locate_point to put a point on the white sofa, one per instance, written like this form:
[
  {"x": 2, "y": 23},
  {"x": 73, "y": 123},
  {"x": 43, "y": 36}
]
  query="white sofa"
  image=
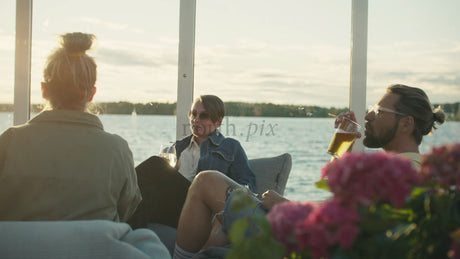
[{"x": 85, "y": 239}]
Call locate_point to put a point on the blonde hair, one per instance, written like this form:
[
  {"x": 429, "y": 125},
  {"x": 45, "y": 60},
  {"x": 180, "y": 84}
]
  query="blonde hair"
[
  {"x": 213, "y": 105},
  {"x": 70, "y": 74}
]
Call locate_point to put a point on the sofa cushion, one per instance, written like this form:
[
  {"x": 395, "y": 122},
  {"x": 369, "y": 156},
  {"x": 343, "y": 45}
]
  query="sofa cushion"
[
  {"x": 78, "y": 239},
  {"x": 271, "y": 172}
]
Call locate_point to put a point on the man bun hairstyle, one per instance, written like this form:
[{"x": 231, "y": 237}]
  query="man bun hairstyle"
[{"x": 414, "y": 102}]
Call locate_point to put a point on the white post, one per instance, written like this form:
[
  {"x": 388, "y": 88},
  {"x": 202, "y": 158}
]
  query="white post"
[
  {"x": 22, "y": 61},
  {"x": 358, "y": 66},
  {"x": 185, "y": 66}
]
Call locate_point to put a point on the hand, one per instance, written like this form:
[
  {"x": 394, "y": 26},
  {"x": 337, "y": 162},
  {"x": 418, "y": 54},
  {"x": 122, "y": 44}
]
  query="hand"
[
  {"x": 271, "y": 198},
  {"x": 350, "y": 115},
  {"x": 339, "y": 118}
]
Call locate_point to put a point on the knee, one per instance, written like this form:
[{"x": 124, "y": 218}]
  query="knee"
[
  {"x": 207, "y": 177},
  {"x": 151, "y": 164},
  {"x": 205, "y": 181},
  {"x": 153, "y": 159}
]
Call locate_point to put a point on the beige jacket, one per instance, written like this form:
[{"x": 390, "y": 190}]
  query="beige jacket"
[{"x": 62, "y": 165}]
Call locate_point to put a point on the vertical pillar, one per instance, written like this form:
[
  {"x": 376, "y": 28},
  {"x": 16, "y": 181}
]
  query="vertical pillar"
[
  {"x": 23, "y": 51},
  {"x": 186, "y": 62},
  {"x": 358, "y": 66}
]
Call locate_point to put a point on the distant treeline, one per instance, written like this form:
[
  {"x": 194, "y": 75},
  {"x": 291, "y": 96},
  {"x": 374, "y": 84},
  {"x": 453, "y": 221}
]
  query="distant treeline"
[{"x": 231, "y": 109}]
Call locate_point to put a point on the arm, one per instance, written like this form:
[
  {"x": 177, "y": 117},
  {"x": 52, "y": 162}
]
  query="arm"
[
  {"x": 130, "y": 195},
  {"x": 228, "y": 158},
  {"x": 4, "y": 140},
  {"x": 240, "y": 170},
  {"x": 271, "y": 198}
]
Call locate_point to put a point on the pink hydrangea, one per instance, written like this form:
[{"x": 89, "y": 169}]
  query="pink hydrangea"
[
  {"x": 284, "y": 219},
  {"x": 443, "y": 166},
  {"x": 362, "y": 178},
  {"x": 328, "y": 225},
  {"x": 454, "y": 251},
  {"x": 309, "y": 226}
]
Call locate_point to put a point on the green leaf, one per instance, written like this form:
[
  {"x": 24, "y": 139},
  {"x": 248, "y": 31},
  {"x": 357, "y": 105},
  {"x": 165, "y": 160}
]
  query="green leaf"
[
  {"x": 322, "y": 184},
  {"x": 242, "y": 199},
  {"x": 238, "y": 230},
  {"x": 416, "y": 191},
  {"x": 260, "y": 245},
  {"x": 401, "y": 230}
]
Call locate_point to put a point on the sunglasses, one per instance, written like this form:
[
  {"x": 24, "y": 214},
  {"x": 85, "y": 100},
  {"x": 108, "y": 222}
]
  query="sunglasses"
[
  {"x": 377, "y": 109},
  {"x": 201, "y": 116}
]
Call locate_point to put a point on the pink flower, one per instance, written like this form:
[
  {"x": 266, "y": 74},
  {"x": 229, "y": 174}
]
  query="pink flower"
[
  {"x": 454, "y": 251},
  {"x": 363, "y": 178},
  {"x": 318, "y": 227},
  {"x": 284, "y": 219},
  {"x": 329, "y": 224},
  {"x": 443, "y": 166}
]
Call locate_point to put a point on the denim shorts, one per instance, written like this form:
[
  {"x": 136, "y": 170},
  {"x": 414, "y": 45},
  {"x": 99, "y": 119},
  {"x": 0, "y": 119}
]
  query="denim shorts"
[{"x": 230, "y": 217}]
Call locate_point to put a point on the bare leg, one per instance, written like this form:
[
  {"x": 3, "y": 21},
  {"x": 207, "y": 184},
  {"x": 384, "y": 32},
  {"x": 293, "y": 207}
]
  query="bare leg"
[
  {"x": 217, "y": 237},
  {"x": 205, "y": 198}
]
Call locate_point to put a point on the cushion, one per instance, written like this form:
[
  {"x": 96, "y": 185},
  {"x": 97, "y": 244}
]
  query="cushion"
[
  {"x": 78, "y": 239},
  {"x": 271, "y": 172}
]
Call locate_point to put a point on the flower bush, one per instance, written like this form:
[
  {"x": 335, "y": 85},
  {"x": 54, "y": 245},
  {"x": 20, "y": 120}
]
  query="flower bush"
[
  {"x": 284, "y": 220},
  {"x": 381, "y": 207},
  {"x": 363, "y": 179},
  {"x": 442, "y": 166},
  {"x": 329, "y": 225}
]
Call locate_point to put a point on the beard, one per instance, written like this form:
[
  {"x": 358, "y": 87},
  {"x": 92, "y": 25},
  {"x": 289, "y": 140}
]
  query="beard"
[{"x": 373, "y": 141}]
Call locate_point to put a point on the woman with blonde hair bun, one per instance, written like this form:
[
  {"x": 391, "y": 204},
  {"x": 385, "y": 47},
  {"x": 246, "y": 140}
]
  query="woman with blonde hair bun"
[
  {"x": 62, "y": 165},
  {"x": 70, "y": 74}
]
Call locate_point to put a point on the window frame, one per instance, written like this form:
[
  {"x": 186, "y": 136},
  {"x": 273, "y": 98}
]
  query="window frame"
[{"x": 186, "y": 58}]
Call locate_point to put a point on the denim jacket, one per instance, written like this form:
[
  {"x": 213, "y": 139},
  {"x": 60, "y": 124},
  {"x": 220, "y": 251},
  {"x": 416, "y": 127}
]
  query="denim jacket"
[{"x": 225, "y": 155}]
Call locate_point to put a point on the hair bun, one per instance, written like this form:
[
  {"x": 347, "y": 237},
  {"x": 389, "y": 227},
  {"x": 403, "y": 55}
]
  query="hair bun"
[
  {"x": 77, "y": 43},
  {"x": 439, "y": 116}
]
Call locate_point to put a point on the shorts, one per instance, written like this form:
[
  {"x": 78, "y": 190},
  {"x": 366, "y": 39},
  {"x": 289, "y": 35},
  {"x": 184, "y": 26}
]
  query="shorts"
[{"x": 230, "y": 217}]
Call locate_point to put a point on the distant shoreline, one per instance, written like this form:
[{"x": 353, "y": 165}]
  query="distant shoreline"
[{"x": 242, "y": 109}]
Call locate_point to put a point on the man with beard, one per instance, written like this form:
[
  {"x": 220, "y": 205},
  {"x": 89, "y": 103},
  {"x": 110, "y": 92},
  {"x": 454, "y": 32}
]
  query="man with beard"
[{"x": 396, "y": 123}]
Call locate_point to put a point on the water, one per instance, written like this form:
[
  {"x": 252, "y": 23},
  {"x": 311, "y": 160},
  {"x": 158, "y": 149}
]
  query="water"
[{"x": 306, "y": 139}]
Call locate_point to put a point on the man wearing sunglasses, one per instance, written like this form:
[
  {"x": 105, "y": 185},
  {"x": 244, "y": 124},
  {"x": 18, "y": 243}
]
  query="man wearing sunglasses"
[
  {"x": 396, "y": 124},
  {"x": 164, "y": 188},
  {"x": 400, "y": 120}
]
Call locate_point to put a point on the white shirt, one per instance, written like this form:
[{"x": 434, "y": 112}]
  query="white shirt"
[
  {"x": 415, "y": 158},
  {"x": 188, "y": 160}
]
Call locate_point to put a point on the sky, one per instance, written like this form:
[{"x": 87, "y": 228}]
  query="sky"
[{"x": 287, "y": 52}]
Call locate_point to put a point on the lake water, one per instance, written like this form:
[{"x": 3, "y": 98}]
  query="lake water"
[{"x": 306, "y": 139}]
